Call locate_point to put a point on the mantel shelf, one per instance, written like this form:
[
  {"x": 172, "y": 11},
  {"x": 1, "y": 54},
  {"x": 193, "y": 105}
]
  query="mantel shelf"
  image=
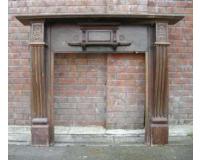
[{"x": 122, "y": 18}]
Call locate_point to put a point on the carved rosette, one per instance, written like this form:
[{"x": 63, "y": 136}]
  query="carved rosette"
[
  {"x": 159, "y": 121},
  {"x": 161, "y": 32},
  {"x": 37, "y": 32}
]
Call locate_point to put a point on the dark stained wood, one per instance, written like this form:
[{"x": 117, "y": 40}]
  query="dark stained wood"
[
  {"x": 51, "y": 115},
  {"x": 40, "y": 127},
  {"x": 49, "y": 83},
  {"x": 99, "y": 35},
  {"x": 159, "y": 119},
  {"x": 156, "y": 105},
  {"x": 40, "y": 134},
  {"x": 38, "y": 81},
  {"x": 122, "y": 18},
  {"x": 148, "y": 96},
  {"x": 152, "y": 60},
  {"x": 159, "y": 134},
  {"x": 77, "y": 38},
  {"x": 149, "y": 79},
  {"x": 161, "y": 81}
]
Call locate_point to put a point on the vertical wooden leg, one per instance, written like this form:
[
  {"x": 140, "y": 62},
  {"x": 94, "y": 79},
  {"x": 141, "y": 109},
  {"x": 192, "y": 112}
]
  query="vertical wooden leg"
[
  {"x": 159, "y": 117},
  {"x": 49, "y": 85},
  {"x": 149, "y": 95},
  {"x": 50, "y": 96},
  {"x": 40, "y": 124},
  {"x": 40, "y": 133},
  {"x": 159, "y": 121}
]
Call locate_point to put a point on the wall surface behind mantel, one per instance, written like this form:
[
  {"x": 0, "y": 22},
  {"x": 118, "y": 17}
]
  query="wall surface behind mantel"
[{"x": 180, "y": 50}]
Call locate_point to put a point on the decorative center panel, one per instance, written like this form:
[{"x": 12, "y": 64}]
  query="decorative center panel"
[{"x": 100, "y": 38}]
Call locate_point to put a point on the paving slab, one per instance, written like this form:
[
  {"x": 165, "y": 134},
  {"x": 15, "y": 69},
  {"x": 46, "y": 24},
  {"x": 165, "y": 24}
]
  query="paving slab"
[{"x": 77, "y": 152}]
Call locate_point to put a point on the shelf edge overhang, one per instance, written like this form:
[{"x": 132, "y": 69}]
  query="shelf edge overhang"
[{"x": 124, "y": 18}]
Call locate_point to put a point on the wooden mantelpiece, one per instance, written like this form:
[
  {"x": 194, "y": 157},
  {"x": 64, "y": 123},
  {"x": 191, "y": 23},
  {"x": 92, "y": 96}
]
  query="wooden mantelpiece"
[{"x": 147, "y": 34}]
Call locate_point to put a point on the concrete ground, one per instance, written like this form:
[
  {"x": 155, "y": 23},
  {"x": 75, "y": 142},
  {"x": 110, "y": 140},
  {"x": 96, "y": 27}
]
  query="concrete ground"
[{"x": 78, "y": 152}]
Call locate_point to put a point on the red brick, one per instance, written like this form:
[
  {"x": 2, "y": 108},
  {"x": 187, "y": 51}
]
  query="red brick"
[
  {"x": 93, "y": 74},
  {"x": 120, "y": 87},
  {"x": 83, "y": 82}
]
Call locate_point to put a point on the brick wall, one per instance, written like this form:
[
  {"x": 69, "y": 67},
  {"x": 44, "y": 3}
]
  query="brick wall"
[
  {"x": 99, "y": 89},
  {"x": 80, "y": 89},
  {"x": 125, "y": 91},
  {"x": 180, "y": 51}
]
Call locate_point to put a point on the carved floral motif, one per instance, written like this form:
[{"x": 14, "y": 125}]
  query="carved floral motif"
[
  {"x": 37, "y": 34},
  {"x": 161, "y": 32}
]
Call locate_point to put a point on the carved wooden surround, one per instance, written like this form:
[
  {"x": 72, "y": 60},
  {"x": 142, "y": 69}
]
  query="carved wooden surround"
[{"x": 156, "y": 106}]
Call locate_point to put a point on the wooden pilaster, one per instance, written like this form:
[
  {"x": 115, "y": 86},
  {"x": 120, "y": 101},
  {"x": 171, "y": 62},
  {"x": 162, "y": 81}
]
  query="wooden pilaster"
[
  {"x": 159, "y": 118},
  {"x": 40, "y": 127}
]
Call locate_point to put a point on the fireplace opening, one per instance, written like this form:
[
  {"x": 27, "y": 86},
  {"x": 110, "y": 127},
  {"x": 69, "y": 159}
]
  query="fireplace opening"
[
  {"x": 80, "y": 89},
  {"x": 104, "y": 90}
]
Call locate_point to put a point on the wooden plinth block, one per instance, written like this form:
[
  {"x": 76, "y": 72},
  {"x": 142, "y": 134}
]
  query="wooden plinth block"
[
  {"x": 159, "y": 131},
  {"x": 40, "y": 134},
  {"x": 159, "y": 134}
]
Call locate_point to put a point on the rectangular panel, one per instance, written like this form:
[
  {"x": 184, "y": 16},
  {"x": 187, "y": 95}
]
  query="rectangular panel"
[
  {"x": 135, "y": 36},
  {"x": 98, "y": 36}
]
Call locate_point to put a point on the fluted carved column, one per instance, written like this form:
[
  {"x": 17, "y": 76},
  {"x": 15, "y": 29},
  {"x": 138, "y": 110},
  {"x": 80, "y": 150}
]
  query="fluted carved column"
[
  {"x": 159, "y": 119},
  {"x": 40, "y": 127}
]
